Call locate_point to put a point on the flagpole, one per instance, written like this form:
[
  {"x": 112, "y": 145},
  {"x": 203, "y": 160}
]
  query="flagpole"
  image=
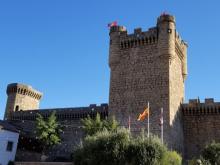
[
  {"x": 161, "y": 123},
  {"x": 148, "y": 122}
]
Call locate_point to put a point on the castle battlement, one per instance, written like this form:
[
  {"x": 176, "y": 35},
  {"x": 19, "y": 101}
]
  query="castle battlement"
[
  {"x": 138, "y": 38},
  {"x": 75, "y": 113},
  {"x": 23, "y": 90},
  {"x": 162, "y": 37},
  {"x": 165, "y": 18},
  {"x": 195, "y": 107}
]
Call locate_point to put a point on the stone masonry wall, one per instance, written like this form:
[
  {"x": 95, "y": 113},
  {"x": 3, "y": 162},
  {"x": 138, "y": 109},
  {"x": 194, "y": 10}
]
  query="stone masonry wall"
[
  {"x": 20, "y": 98},
  {"x": 201, "y": 123},
  {"x": 71, "y": 136},
  {"x": 176, "y": 98},
  {"x": 68, "y": 118},
  {"x": 145, "y": 66}
]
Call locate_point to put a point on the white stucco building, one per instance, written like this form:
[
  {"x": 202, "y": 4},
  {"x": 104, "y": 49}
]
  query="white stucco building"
[{"x": 8, "y": 142}]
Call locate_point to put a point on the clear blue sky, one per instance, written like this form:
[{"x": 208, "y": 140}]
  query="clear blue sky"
[{"x": 60, "y": 47}]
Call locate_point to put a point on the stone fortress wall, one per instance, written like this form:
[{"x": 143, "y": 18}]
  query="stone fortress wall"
[
  {"x": 68, "y": 118},
  {"x": 201, "y": 125},
  {"x": 22, "y": 109},
  {"x": 63, "y": 113},
  {"x": 145, "y": 66}
]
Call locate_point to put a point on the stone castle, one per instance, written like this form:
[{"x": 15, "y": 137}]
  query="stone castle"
[{"x": 146, "y": 66}]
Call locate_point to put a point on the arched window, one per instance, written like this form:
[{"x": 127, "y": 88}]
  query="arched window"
[{"x": 16, "y": 108}]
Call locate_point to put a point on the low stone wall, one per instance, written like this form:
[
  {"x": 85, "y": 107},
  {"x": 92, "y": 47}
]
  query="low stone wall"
[{"x": 43, "y": 163}]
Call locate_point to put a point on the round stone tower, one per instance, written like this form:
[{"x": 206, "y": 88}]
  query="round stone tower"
[
  {"x": 21, "y": 98},
  {"x": 114, "y": 51},
  {"x": 167, "y": 30}
]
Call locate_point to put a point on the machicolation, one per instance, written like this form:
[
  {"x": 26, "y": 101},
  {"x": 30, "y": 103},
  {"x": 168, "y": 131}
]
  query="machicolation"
[{"x": 23, "y": 90}]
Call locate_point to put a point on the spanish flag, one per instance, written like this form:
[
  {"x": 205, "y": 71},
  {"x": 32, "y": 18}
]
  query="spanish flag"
[{"x": 143, "y": 115}]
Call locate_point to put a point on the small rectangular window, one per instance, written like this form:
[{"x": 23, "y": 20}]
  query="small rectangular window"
[
  {"x": 169, "y": 30},
  {"x": 9, "y": 146}
]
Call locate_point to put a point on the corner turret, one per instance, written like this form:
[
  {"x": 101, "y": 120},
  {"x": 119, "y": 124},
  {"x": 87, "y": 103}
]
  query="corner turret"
[
  {"x": 114, "y": 49},
  {"x": 166, "y": 35}
]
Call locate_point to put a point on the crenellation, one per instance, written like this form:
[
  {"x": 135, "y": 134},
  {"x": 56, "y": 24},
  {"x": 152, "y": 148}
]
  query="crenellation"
[
  {"x": 195, "y": 107},
  {"x": 200, "y": 122},
  {"x": 137, "y": 31},
  {"x": 114, "y": 29},
  {"x": 63, "y": 113},
  {"x": 165, "y": 18},
  {"x": 209, "y": 101},
  {"x": 138, "y": 38},
  {"x": 23, "y": 90}
]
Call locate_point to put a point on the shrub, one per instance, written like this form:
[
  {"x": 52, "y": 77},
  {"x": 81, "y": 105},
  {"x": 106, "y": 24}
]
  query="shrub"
[
  {"x": 200, "y": 161},
  {"x": 145, "y": 151},
  {"x": 171, "y": 158},
  {"x": 119, "y": 148},
  {"x": 103, "y": 148},
  {"x": 212, "y": 153}
]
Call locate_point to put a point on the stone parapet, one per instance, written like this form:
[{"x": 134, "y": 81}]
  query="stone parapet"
[
  {"x": 195, "y": 107},
  {"x": 201, "y": 123},
  {"x": 63, "y": 113},
  {"x": 24, "y": 90}
]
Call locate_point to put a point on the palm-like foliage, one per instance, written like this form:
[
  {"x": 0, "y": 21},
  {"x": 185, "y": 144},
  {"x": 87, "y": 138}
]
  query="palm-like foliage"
[{"x": 92, "y": 126}]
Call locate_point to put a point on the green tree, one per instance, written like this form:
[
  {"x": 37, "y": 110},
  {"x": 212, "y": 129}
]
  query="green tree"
[
  {"x": 212, "y": 153},
  {"x": 92, "y": 126},
  {"x": 48, "y": 130}
]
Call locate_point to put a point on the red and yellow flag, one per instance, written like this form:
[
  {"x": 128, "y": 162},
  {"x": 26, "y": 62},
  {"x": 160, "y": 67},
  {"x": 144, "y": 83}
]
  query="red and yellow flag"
[{"x": 143, "y": 115}]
